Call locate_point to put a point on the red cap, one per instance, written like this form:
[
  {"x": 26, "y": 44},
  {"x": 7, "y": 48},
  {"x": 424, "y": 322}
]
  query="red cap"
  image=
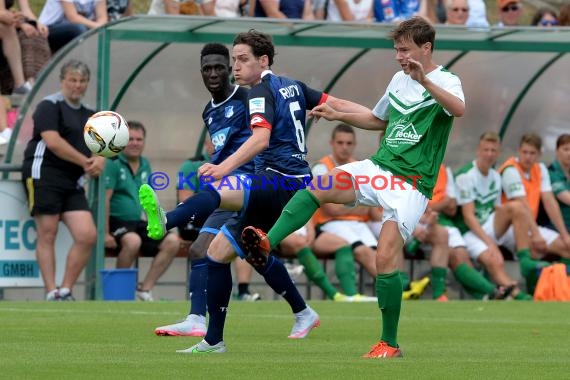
[{"x": 504, "y": 3}]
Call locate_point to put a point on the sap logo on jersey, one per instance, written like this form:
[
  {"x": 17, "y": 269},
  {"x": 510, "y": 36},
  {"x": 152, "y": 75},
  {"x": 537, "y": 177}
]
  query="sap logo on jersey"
[
  {"x": 257, "y": 105},
  {"x": 289, "y": 91},
  {"x": 219, "y": 138}
]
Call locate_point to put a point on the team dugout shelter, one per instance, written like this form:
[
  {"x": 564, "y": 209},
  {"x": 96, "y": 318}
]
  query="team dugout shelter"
[{"x": 147, "y": 68}]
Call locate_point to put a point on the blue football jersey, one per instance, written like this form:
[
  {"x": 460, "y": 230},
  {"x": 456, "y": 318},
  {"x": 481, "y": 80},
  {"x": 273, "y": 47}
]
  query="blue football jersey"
[
  {"x": 280, "y": 104},
  {"x": 228, "y": 126}
]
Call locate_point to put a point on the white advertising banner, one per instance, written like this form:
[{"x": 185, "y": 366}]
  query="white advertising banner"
[{"x": 18, "y": 265}]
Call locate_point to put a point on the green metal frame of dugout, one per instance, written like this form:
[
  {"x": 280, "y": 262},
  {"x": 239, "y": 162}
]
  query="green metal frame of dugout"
[{"x": 515, "y": 80}]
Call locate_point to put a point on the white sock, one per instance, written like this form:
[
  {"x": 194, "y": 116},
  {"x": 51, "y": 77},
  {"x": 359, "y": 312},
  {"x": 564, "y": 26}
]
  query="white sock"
[
  {"x": 196, "y": 318},
  {"x": 52, "y": 294},
  {"x": 305, "y": 311},
  {"x": 64, "y": 291}
]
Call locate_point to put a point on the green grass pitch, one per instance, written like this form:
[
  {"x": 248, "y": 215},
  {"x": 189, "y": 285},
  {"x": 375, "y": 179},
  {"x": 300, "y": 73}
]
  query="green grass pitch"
[{"x": 456, "y": 340}]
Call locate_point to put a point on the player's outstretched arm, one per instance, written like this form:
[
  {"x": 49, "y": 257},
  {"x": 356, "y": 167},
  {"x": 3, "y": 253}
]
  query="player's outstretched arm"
[
  {"x": 362, "y": 120},
  {"x": 347, "y": 106}
]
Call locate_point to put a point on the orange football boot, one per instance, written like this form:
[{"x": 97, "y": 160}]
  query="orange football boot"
[{"x": 382, "y": 350}]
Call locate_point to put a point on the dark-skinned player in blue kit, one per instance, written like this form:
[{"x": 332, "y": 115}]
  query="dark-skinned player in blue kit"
[
  {"x": 225, "y": 117},
  {"x": 277, "y": 111}
]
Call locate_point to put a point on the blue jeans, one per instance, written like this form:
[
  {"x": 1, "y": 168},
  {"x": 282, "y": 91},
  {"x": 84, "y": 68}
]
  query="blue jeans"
[{"x": 63, "y": 32}]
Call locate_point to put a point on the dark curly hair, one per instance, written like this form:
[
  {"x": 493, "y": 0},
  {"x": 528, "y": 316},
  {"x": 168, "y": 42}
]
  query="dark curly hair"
[
  {"x": 215, "y": 48},
  {"x": 260, "y": 43}
]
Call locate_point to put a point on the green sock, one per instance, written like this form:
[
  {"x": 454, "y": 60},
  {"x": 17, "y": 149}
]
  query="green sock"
[
  {"x": 389, "y": 293},
  {"x": 474, "y": 293},
  {"x": 296, "y": 213},
  {"x": 405, "y": 279},
  {"x": 526, "y": 263},
  {"x": 528, "y": 269},
  {"x": 438, "y": 275},
  {"x": 522, "y": 296},
  {"x": 473, "y": 282},
  {"x": 314, "y": 271},
  {"x": 345, "y": 270}
]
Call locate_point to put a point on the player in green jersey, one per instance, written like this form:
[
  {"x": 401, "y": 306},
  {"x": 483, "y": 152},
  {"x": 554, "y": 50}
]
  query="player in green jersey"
[{"x": 417, "y": 112}]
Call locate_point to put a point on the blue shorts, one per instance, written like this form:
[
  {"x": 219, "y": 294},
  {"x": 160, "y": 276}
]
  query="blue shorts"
[
  {"x": 216, "y": 220},
  {"x": 212, "y": 225},
  {"x": 262, "y": 207}
]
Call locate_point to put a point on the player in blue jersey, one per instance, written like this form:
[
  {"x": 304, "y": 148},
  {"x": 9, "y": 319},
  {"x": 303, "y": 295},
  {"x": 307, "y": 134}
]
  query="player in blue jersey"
[
  {"x": 277, "y": 113},
  {"x": 225, "y": 116}
]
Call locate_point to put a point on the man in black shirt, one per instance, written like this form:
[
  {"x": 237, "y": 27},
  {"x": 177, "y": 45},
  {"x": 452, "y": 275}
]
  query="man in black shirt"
[{"x": 57, "y": 164}]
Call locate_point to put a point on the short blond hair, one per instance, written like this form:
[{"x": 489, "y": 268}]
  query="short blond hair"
[{"x": 490, "y": 136}]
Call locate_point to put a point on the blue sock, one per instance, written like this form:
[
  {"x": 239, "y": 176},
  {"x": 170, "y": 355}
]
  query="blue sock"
[
  {"x": 197, "y": 280},
  {"x": 219, "y": 293},
  {"x": 196, "y": 209},
  {"x": 278, "y": 279}
]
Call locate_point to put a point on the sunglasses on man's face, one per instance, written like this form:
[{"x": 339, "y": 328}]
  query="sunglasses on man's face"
[
  {"x": 548, "y": 22},
  {"x": 511, "y": 8}
]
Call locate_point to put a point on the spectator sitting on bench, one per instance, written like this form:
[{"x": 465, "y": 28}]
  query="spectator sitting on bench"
[
  {"x": 559, "y": 172},
  {"x": 11, "y": 68},
  {"x": 485, "y": 223},
  {"x": 526, "y": 182},
  {"x": 125, "y": 229},
  {"x": 444, "y": 201},
  {"x": 300, "y": 244},
  {"x": 68, "y": 19},
  {"x": 434, "y": 238},
  {"x": 347, "y": 223}
]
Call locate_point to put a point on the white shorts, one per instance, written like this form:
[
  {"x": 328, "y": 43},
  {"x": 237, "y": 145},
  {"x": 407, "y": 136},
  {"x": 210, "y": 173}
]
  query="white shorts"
[
  {"x": 476, "y": 246},
  {"x": 375, "y": 226},
  {"x": 454, "y": 239},
  {"x": 352, "y": 231},
  {"x": 301, "y": 231},
  {"x": 403, "y": 206}
]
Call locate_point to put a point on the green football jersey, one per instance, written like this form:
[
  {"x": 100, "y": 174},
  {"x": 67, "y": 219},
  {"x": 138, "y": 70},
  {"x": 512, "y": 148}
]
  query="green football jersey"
[
  {"x": 125, "y": 185},
  {"x": 418, "y": 128},
  {"x": 483, "y": 191}
]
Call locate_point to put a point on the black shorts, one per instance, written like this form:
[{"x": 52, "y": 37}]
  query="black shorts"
[
  {"x": 47, "y": 199},
  {"x": 118, "y": 228},
  {"x": 262, "y": 208}
]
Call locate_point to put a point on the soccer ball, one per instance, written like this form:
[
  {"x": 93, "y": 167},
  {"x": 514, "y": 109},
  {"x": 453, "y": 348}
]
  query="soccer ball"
[{"x": 106, "y": 133}]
